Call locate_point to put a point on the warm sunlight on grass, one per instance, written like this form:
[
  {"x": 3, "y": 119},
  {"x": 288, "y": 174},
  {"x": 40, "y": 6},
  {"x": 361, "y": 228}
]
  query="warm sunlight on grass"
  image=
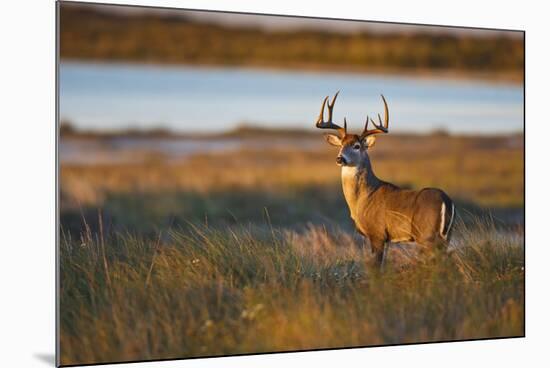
[
  {"x": 253, "y": 250},
  {"x": 199, "y": 291}
]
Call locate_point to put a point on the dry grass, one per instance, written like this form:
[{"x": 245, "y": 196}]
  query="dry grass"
[
  {"x": 203, "y": 291},
  {"x": 253, "y": 251},
  {"x": 484, "y": 171}
]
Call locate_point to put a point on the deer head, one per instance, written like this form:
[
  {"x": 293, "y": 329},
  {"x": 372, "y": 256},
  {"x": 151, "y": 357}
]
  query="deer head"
[{"x": 353, "y": 147}]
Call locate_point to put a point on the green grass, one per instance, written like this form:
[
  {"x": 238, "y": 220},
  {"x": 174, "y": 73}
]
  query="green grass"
[{"x": 202, "y": 291}]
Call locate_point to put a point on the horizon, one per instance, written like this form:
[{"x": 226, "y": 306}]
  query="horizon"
[{"x": 68, "y": 129}]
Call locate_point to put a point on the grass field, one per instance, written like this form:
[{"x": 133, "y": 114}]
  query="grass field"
[{"x": 252, "y": 250}]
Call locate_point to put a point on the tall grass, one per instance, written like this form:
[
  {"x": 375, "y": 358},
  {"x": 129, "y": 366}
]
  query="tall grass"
[
  {"x": 253, "y": 251},
  {"x": 200, "y": 290}
]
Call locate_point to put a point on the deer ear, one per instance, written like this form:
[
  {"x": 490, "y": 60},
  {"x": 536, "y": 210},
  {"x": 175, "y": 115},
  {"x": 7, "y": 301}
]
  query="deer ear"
[
  {"x": 333, "y": 139},
  {"x": 369, "y": 141}
]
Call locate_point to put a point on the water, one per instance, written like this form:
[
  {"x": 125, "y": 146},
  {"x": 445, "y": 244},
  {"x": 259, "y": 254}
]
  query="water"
[
  {"x": 193, "y": 99},
  {"x": 137, "y": 149}
]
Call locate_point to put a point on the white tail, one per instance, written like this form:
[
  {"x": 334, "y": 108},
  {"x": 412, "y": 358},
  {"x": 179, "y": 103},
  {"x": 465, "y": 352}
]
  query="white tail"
[
  {"x": 445, "y": 231},
  {"x": 422, "y": 216}
]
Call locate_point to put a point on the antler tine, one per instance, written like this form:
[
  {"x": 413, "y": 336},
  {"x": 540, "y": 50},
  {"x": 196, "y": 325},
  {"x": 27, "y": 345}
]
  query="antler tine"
[
  {"x": 322, "y": 124},
  {"x": 322, "y": 113},
  {"x": 366, "y": 128},
  {"x": 386, "y": 112},
  {"x": 331, "y": 106},
  {"x": 378, "y": 128}
]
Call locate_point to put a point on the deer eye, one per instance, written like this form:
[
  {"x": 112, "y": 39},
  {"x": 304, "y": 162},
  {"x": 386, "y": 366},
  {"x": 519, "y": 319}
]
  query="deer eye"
[{"x": 356, "y": 146}]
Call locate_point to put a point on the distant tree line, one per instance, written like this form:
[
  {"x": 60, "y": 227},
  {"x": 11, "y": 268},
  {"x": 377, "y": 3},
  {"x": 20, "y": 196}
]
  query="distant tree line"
[{"x": 89, "y": 34}]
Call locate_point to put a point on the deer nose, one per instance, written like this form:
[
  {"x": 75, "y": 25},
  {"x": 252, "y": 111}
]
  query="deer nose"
[{"x": 340, "y": 160}]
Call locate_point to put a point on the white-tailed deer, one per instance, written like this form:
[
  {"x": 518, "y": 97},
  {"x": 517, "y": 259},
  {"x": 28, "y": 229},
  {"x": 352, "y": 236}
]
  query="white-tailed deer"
[{"x": 381, "y": 211}]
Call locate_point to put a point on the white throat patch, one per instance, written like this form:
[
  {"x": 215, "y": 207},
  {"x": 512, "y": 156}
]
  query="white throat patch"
[{"x": 349, "y": 172}]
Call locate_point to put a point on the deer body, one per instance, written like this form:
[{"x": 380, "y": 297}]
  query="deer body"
[
  {"x": 382, "y": 212},
  {"x": 385, "y": 213}
]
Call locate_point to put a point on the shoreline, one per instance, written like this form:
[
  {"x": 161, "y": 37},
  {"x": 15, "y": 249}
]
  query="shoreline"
[
  {"x": 511, "y": 78},
  {"x": 253, "y": 132}
]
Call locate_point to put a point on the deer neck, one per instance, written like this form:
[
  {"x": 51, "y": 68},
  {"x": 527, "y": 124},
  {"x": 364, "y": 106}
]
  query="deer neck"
[{"x": 358, "y": 182}]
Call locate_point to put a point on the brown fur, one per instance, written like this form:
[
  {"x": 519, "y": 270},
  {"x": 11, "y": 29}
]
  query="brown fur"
[{"x": 383, "y": 212}]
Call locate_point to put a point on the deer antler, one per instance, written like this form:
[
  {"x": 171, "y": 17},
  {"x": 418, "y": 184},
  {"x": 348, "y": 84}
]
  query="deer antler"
[
  {"x": 322, "y": 124},
  {"x": 378, "y": 128}
]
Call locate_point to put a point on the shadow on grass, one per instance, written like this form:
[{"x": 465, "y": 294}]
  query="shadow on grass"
[{"x": 146, "y": 213}]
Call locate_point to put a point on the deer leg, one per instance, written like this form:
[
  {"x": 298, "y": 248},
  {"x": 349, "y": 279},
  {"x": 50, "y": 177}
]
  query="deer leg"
[
  {"x": 380, "y": 258},
  {"x": 378, "y": 247}
]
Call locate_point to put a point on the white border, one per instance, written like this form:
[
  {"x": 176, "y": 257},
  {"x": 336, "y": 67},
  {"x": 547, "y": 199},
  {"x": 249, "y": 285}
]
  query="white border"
[{"x": 27, "y": 192}]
